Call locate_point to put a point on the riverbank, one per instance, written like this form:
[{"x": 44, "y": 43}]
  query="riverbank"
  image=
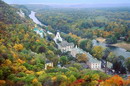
[
  {"x": 100, "y": 39},
  {"x": 122, "y": 45}
]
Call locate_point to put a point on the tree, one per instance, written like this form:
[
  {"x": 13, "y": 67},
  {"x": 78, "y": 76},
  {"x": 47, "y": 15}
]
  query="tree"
[
  {"x": 98, "y": 52},
  {"x": 18, "y": 47},
  {"x": 72, "y": 78},
  {"x": 111, "y": 57},
  {"x": 50, "y": 54},
  {"x": 82, "y": 57},
  {"x": 127, "y": 62},
  {"x": 118, "y": 65},
  {"x": 111, "y": 40},
  {"x": 86, "y": 45},
  {"x": 63, "y": 60},
  {"x": 41, "y": 49},
  {"x": 114, "y": 81}
]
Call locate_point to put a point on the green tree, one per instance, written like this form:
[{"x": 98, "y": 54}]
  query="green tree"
[
  {"x": 63, "y": 60},
  {"x": 98, "y": 52},
  {"x": 127, "y": 62},
  {"x": 72, "y": 78},
  {"x": 111, "y": 57}
]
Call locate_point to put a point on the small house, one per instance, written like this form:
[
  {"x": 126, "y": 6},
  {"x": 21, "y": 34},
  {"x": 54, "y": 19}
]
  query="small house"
[{"x": 48, "y": 65}]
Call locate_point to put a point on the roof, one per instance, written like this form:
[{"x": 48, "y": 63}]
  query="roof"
[
  {"x": 91, "y": 58},
  {"x": 40, "y": 30},
  {"x": 47, "y": 61},
  {"x": 77, "y": 50},
  {"x": 35, "y": 29},
  {"x": 65, "y": 43}
]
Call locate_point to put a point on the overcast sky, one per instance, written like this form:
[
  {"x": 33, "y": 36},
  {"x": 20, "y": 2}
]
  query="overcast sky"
[{"x": 67, "y": 1}]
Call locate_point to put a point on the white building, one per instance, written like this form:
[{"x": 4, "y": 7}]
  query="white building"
[
  {"x": 76, "y": 51},
  {"x": 57, "y": 37},
  {"x": 48, "y": 64},
  {"x": 93, "y": 63},
  {"x": 63, "y": 45}
]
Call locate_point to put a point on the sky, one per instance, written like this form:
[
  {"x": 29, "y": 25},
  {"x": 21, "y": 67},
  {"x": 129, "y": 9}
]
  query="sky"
[{"x": 67, "y": 1}]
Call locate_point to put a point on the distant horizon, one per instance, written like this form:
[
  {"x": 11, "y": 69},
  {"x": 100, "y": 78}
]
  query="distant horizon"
[{"x": 77, "y": 3}]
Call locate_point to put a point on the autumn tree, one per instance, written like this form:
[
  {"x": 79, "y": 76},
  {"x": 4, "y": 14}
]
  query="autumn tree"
[
  {"x": 82, "y": 57},
  {"x": 18, "y": 47},
  {"x": 98, "y": 52}
]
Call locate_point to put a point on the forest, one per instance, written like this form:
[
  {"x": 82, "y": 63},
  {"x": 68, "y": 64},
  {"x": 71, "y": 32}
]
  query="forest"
[
  {"x": 23, "y": 54},
  {"x": 110, "y": 23}
]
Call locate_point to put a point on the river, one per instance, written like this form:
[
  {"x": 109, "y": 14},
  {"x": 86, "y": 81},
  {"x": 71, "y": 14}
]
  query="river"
[
  {"x": 32, "y": 16},
  {"x": 117, "y": 50}
]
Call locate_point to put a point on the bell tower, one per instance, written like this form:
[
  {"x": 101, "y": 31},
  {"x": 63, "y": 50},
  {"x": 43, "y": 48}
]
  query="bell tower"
[{"x": 57, "y": 37}]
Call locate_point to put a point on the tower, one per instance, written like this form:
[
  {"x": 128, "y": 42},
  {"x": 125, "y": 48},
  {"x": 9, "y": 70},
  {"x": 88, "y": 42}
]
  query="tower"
[{"x": 58, "y": 37}]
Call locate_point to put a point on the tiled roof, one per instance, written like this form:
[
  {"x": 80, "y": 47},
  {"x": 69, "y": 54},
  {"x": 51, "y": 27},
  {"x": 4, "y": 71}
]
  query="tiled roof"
[{"x": 65, "y": 43}]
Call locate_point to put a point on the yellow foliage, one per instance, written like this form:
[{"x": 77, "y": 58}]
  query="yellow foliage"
[
  {"x": 22, "y": 68},
  {"x": 15, "y": 55},
  {"x": 21, "y": 61},
  {"x": 2, "y": 82},
  {"x": 14, "y": 68},
  {"x": 37, "y": 40},
  {"x": 26, "y": 36},
  {"x": 34, "y": 80},
  {"x": 40, "y": 72},
  {"x": 8, "y": 62},
  {"x": 54, "y": 78},
  {"x": 29, "y": 72},
  {"x": 64, "y": 76},
  {"x": 1, "y": 40},
  {"x": 18, "y": 47},
  {"x": 74, "y": 36}
]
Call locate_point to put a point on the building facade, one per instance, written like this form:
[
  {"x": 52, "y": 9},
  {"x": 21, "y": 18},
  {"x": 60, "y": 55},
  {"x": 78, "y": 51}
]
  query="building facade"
[
  {"x": 63, "y": 45},
  {"x": 48, "y": 64},
  {"x": 93, "y": 63},
  {"x": 57, "y": 37}
]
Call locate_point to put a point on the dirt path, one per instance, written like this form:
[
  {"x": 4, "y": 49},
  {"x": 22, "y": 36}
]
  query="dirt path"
[{"x": 122, "y": 45}]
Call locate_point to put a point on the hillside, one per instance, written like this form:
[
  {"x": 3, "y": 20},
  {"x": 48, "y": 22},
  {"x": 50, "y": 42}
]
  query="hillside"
[
  {"x": 8, "y": 14},
  {"x": 24, "y": 9}
]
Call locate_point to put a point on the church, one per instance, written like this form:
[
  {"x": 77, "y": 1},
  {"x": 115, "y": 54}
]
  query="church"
[{"x": 63, "y": 45}]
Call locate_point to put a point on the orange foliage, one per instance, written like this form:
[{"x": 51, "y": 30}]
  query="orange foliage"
[
  {"x": 2, "y": 82},
  {"x": 18, "y": 47},
  {"x": 116, "y": 81},
  {"x": 21, "y": 61},
  {"x": 29, "y": 72},
  {"x": 37, "y": 41},
  {"x": 74, "y": 36},
  {"x": 34, "y": 80}
]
